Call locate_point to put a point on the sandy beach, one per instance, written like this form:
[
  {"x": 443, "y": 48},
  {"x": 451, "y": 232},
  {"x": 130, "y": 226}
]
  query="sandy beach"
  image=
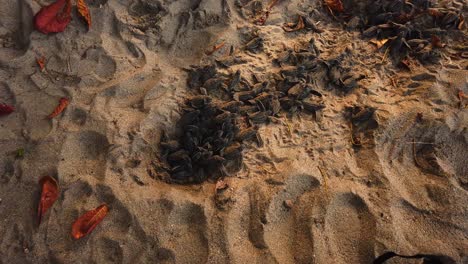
[{"x": 368, "y": 153}]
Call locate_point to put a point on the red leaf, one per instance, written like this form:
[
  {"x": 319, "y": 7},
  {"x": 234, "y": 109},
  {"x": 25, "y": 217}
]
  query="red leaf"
[
  {"x": 49, "y": 195},
  {"x": 54, "y": 17},
  {"x": 59, "y": 109},
  {"x": 6, "y": 109},
  {"x": 87, "y": 222}
]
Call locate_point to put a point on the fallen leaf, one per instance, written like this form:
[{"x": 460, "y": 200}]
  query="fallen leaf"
[
  {"x": 59, "y": 109},
  {"x": 335, "y": 5},
  {"x": 54, "y": 17},
  {"x": 379, "y": 43},
  {"x": 83, "y": 10},
  {"x": 215, "y": 48},
  {"x": 41, "y": 62},
  {"x": 88, "y": 221},
  {"x": 6, "y": 109},
  {"x": 436, "y": 42},
  {"x": 290, "y": 27},
  {"x": 49, "y": 195}
]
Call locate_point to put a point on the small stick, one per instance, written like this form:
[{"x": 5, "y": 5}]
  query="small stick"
[
  {"x": 414, "y": 154},
  {"x": 385, "y": 55}
]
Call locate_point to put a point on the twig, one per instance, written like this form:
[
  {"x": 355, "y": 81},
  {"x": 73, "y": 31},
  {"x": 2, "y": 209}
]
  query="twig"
[
  {"x": 385, "y": 55},
  {"x": 414, "y": 155}
]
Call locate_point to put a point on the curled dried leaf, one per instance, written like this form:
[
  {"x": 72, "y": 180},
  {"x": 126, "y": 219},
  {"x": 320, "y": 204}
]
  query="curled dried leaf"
[
  {"x": 54, "y": 17},
  {"x": 59, "y": 109},
  {"x": 335, "y": 5},
  {"x": 86, "y": 223},
  {"x": 49, "y": 194},
  {"x": 83, "y": 10},
  {"x": 6, "y": 109},
  {"x": 215, "y": 48},
  {"x": 290, "y": 27},
  {"x": 41, "y": 62}
]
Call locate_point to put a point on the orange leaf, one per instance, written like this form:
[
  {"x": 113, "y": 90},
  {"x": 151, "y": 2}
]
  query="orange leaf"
[
  {"x": 87, "y": 222},
  {"x": 335, "y": 5},
  {"x": 59, "y": 109},
  {"x": 41, "y": 62},
  {"x": 83, "y": 10},
  {"x": 49, "y": 195}
]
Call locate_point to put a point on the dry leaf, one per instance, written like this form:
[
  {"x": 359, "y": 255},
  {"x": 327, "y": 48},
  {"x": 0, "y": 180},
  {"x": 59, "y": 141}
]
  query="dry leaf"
[
  {"x": 6, "y": 109},
  {"x": 54, "y": 17},
  {"x": 379, "y": 43},
  {"x": 83, "y": 10},
  {"x": 88, "y": 221},
  {"x": 436, "y": 42},
  {"x": 215, "y": 48},
  {"x": 290, "y": 27},
  {"x": 49, "y": 195},
  {"x": 335, "y": 5},
  {"x": 41, "y": 62},
  {"x": 59, "y": 109}
]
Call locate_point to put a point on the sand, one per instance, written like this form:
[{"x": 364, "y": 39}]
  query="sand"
[{"x": 306, "y": 196}]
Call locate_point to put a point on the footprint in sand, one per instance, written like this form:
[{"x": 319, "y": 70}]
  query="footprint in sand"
[
  {"x": 187, "y": 230},
  {"x": 288, "y": 230},
  {"x": 351, "y": 228},
  {"x": 84, "y": 153}
]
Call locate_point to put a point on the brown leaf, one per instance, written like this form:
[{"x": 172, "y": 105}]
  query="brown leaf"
[
  {"x": 59, "y": 109},
  {"x": 215, "y": 48},
  {"x": 49, "y": 195},
  {"x": 290, "y": 27},
  {"x": 88, "y": 221},
  {"x": 335, "y": 5},
  {"x": 436, "y": 42},
  {"x": 83, "y": 10},
  {"x": 54, "y": 17}
]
